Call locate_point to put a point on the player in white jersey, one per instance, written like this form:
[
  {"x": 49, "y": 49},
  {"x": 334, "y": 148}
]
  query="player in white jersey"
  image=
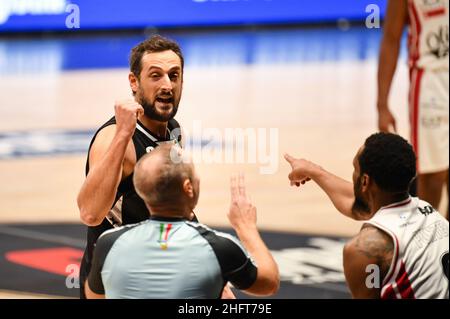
[
  {"x": 402, "y": 249},
  {"x": 420, "y": 238},
  {"x": 428, "y": 60}
]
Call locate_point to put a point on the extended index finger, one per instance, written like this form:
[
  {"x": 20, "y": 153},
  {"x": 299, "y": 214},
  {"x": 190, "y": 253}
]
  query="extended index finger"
[
  {"x": 241, "y": 185},
  {"x": 233, "y": 187},
  {"x": 289, "y": 159}
]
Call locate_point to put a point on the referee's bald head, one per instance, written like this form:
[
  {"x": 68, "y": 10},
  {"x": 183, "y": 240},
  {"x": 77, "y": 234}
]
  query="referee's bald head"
[{"x": 165, "y": 179}]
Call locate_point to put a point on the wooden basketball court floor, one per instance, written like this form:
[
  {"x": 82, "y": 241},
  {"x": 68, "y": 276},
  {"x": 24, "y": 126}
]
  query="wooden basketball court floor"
[{"x": 323, "y": 107}]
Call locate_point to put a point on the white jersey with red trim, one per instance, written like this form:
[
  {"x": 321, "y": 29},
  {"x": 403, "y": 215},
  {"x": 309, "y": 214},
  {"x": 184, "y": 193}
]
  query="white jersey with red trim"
[
  {"x": 419, "y": 267},
  {"x": 428, "y": 34}
]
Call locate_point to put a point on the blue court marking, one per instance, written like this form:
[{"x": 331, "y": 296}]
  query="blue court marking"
[
  {"x": 43, "y": 143},
  {"x": 39, "y": 143}
]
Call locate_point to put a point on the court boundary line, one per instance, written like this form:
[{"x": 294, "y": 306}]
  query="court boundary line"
[{"x": 36, "y": 235}]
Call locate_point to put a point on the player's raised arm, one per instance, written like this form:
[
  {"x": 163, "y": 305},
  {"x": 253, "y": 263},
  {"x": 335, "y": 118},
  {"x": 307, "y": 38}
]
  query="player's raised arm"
[
  {"x": 338, "y": 190},
  {"x": 106, "y": 162}
]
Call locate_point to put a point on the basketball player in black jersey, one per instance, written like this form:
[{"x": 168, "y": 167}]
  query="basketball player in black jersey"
[{"x": 108, "y": 198}]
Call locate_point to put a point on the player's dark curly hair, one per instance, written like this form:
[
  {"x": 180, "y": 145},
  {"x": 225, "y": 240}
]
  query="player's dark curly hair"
[
  {"x": 156, "y": 43},
  {"x": 390, "y": 160}
]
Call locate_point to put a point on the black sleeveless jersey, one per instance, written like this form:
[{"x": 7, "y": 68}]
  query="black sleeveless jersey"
[{"x": 128, "y": 207}]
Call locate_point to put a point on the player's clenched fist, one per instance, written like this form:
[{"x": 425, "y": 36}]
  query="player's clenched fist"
[{"x": 127, "y": 112}]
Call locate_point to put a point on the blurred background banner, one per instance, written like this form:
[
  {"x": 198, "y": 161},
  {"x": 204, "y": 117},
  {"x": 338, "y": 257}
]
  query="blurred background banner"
[{"x": 51, "y": 15}]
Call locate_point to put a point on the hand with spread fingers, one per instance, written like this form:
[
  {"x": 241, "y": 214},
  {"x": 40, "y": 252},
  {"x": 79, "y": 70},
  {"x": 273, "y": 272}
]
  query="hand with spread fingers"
[
  {"x": 242, "y": 216},
  {"x": 242, "y": 213}
]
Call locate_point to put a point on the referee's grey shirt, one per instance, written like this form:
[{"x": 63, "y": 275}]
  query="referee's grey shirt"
[{"x": 168, "y": 258}]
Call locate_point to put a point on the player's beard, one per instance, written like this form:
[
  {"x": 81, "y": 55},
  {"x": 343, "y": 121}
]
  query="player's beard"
[
  {"x": 360, "y": 206},
  {"x": 151, "y": 112}
]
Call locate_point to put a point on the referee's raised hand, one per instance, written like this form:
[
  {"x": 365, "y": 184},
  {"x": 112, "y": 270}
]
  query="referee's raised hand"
[
  {"x": 242, "y": 216},
  {"x": 242, "y": 213}
]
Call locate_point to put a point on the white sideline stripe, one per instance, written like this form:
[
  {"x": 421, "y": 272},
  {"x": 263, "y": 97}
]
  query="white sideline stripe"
[
  {"x": 331, "y": 287},
  {"x": 31, "y": 234}
]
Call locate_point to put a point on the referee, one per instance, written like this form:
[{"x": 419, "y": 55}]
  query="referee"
[{"x": 169, "y": 256}]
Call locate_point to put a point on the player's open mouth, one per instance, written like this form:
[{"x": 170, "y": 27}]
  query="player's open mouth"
[{"x": 165, "y": 100}]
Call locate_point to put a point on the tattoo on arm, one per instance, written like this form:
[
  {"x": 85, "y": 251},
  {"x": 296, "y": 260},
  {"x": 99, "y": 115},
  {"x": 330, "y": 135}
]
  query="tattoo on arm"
[{"x": 375, "y": 243}]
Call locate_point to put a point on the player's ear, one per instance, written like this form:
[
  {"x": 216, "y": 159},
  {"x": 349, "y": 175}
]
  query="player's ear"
[
  {"x": 365, "y": 182},
  {"x": 188, "y": 188},
  {"x": 134, "y": 82}
]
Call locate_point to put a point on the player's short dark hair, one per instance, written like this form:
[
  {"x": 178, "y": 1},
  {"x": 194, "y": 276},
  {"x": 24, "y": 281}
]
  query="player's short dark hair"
[
  {"x": 390, "y": 160},
  {"x": 154, "y": 44}
]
